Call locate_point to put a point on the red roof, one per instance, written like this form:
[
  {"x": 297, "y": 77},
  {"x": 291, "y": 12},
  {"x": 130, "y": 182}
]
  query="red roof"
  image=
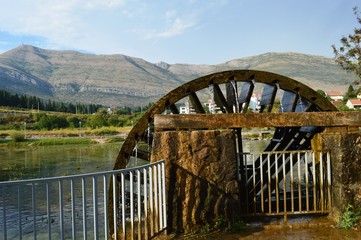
[
  {"x": 334, "y": 93},
  {"x": 355, "y": 102}
]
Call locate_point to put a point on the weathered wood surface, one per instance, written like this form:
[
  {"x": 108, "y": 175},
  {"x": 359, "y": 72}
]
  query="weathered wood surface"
[{"x": 246, "y": 120}]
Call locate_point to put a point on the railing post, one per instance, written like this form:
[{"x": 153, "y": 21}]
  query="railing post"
[
  {"x": 95, "y": 206},
  {"x": 123, "y": 206},
  {"x": 321, "y": 182},
  {"x": 47, "y": 207},
  {"x": 291, "y": 183},
  {"x": 151, "y": 210},
  {"x": 73, "y": 209},
  {"x": 139, "y": 201},
  {"x": 105, "y": 204},
  {"x": 160, "y": 213},
  {"x": 145, "y": 194},
  {"x": 131, "y": 193},
  {"x": 299, "y": 182},
  {"x": 329, "y": 180},
  {"x": 115, "y": 204},
  {"x": 306, "y": 183},
  {"x": 314, "y": 180},
  {"x": 83, "y": 188},
  {"x": 164, "y": 197},
  {"x": 61, "y": 210},
  {"x": 284, "y": 187}
]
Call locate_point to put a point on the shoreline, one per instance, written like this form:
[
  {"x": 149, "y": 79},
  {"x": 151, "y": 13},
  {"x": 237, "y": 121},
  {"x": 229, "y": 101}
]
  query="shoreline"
[{"x": 47, "y": 139}]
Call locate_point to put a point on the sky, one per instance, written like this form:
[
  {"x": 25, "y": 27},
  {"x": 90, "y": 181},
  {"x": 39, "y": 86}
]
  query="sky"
[{"x": 178, "y": 31}]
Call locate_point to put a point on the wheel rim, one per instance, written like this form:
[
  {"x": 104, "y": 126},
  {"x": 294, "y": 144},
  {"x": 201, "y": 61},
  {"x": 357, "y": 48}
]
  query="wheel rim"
[{"x": 299, "y": 94}]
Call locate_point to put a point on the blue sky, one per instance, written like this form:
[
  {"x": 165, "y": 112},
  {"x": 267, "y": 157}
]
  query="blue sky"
[{"x": 175, "y": 31}]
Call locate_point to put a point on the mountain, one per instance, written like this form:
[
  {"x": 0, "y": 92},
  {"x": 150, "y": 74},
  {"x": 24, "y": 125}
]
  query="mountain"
[{"x": 120, "y": 80}]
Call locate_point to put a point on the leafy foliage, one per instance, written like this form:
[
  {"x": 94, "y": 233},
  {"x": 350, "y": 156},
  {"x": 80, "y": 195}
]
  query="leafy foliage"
[
  {"x": 50, "y": 122},
  {"x": 349, "y": 217},
  {"x": 32, "y": 102},
  {"x": 348, "y": 56},
  {"x": 17, "y": 137}
]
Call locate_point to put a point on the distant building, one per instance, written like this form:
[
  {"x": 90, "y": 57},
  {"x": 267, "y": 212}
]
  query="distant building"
[
  {"x": 354, "y": 103},
  {"x": 335, "y": 95},
  {"x": 110, "y": 110},
  {"x": 254, "y": 102},
  {"x": 359, "y": 95},
  {"x": 212, "y": 106},
  {"x": 185, "y": 109}
]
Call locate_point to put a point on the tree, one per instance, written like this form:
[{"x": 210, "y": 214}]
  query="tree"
[
  {"x": 50, "y": 122},
  {"x": 321, "y": 92},
  {"x": 349, "y": 55},
  {"x": 351, "y": 93}
]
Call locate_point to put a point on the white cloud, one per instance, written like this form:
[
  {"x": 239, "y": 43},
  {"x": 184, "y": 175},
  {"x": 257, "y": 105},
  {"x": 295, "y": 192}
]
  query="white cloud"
[
  {"x": 94, "y": 4},
  {"x": 61, "y": 23},
  {"x": 170, "y": 14},
  {"x": 178, "y": 27},
  {"x": 174, "y": 25}
]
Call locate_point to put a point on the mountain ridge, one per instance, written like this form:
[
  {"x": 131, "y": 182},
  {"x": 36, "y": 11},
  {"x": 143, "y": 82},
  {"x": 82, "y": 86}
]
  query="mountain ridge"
[{"x": 120, "y": 80}]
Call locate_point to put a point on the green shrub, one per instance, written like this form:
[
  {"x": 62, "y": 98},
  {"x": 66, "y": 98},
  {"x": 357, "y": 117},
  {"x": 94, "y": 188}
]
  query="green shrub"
[
  {"x": 205, "y": 229},
  {"x": 220, "y": 223},
  {"x": 17, "y": 137},
  {"x": 349, "y": 218},
  {"x": 50, "y": 122},
  {"x": 105, "y": 131},
  {"x": 238, "y": 227}
]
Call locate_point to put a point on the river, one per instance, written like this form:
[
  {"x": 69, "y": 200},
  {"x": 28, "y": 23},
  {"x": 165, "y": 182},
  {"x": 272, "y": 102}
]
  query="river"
[
  {"x": 51, "y": 161},
  {"x": 65, "y": 160}
]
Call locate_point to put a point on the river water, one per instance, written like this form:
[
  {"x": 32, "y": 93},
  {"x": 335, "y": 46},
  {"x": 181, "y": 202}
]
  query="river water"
[
  {"x": 51, "y": 161},
  {"x": 64, "y": 160}
]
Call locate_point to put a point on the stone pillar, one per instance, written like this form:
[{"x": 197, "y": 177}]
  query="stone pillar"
[
  {"x": 201, "y": 177},
  {"x": 345, "y": 153}
]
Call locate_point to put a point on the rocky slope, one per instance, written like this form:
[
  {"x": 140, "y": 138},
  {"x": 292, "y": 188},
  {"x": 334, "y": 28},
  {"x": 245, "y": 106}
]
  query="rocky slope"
[{"x": 120, "y": 80}]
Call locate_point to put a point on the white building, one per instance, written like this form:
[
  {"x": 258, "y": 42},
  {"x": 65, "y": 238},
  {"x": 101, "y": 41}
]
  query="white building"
[
  {"x": 335, "y": 95},
  {"x": 185, "y": 109},
  {"x": 254, "y": 102},
  {"x": 354, "y": 103}
]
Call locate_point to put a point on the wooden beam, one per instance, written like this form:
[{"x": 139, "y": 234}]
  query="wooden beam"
[{"x": 247, "y": 120}]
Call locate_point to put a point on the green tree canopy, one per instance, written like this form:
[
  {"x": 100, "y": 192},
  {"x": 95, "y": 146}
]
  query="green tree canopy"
[
  {"x": 351, "y": 92},
  {"x": 348, "y": 56}
]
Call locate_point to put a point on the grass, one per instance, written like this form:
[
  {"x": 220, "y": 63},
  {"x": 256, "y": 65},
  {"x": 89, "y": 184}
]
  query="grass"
[
  {"x": 46, "y": 142},
  {"x": 61, "y": 141},
  {"x": 60, "y": 137},
  {"x": 114, "y": 139},
  {"x": 68, "y": 132}
]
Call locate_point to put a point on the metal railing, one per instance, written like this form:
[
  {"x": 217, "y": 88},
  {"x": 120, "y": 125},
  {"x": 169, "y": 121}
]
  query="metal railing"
[
  {"x": 76, "y": 207},
  {"x": 287, "y": 182}
]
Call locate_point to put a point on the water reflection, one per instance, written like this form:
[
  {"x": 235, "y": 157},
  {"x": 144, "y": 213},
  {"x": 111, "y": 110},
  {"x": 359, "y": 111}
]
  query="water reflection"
[
  {"x": 64, "y": 160},
  {"x": 49, "y": 161}
]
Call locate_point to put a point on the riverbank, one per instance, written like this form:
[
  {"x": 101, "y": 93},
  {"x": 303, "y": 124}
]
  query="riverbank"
[{"x": 62, "y": 137}]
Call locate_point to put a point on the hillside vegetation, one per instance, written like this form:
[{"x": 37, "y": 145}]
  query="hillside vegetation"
[{"x": 119, "y": 80}]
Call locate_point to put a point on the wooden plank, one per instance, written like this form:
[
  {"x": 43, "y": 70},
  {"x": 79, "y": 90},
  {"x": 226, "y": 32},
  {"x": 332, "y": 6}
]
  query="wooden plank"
[
  {"x": 220, "y": 99},
  {"x": 173, "y": 109},
  {"x": 246, "y": 120},
  {"x": 197, "y": 105},
  {"x": 245, "y": 96}
]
